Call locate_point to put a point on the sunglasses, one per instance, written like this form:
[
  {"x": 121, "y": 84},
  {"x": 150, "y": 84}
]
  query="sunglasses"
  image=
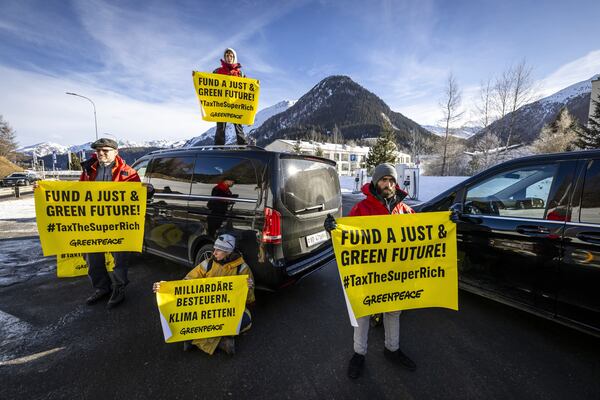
[{"x": 105, "y": 151}]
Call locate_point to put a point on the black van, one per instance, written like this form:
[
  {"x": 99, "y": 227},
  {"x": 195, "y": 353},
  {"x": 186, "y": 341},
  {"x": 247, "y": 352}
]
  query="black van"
[
  {"x": 274, "y": 203},
  {"x": 529, "y": 235}
]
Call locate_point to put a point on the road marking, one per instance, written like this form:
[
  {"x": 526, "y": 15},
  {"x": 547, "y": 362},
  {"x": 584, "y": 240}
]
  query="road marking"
[{"x": 32, "y": 357}]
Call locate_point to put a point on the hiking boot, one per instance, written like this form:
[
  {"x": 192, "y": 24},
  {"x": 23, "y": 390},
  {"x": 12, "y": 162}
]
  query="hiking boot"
[
  {"x": 188, "y": 346},
  {"x": 399, "y": 357},
  {"x": 227, "y": 345},
  {"x": 356, "y": 365},
  {"x": 98, "y": 295},
  {"x": 117, "y": 297}
]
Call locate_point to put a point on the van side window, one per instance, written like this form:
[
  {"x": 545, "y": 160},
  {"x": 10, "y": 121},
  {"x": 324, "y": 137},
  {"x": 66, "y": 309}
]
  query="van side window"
[
  {"x": 521, "y": 193},
  {"x": 590, "y": 199},
  {"x": 171, "y": 175},
  {"x": 212, "y": 171}
]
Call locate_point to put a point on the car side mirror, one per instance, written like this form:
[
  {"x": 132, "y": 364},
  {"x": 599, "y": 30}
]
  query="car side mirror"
[{"x": 150, "y": 193}]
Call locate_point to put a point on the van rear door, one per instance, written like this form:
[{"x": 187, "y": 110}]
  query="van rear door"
[{"x": 309, "y": 190}]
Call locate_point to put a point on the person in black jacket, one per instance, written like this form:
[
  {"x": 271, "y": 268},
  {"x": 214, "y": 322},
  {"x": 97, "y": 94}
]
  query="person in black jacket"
[{"x": 219, "y": 206}]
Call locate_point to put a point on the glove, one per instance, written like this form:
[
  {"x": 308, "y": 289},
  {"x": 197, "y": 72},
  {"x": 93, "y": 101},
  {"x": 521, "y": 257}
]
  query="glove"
[
  {"x": 455, "y": 214},
  {"x": 330, "y": 223}
]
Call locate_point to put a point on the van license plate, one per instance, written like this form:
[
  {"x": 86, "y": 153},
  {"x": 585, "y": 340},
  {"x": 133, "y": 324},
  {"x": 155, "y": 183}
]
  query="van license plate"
[{"x": 311, "y": 240}]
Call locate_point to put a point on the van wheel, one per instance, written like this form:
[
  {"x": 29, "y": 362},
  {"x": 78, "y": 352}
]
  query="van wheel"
[{"x": 204, "y": 253}]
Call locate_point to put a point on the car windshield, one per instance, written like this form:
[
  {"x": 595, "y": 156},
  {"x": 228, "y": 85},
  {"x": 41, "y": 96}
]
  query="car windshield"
[{"x": 17, "y": 175}]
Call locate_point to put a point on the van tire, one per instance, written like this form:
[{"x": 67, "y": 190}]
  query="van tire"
[{"x": 203, "y": 253}]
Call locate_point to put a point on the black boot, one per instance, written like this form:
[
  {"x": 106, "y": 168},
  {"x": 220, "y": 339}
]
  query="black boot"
[
  {"x": 356, "y": 365},
  {"x": 117, "y": 297},
  {"x": 399, "y": 357},
  {"x": 98, "y": 295}
]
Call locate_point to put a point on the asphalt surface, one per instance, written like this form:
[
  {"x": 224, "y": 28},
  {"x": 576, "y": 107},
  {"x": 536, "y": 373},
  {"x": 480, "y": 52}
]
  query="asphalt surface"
[{"x": 54, "y": 346}]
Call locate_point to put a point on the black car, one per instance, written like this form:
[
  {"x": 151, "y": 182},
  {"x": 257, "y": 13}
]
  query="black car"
[
  {"x": 529, "y": 235},
  {"x": 19, "y": 179},
  {"x": 275, "y": 208}
]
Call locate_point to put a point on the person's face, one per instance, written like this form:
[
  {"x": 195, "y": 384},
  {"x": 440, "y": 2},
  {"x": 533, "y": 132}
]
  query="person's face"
[
  {"x": 229, "y": 182},
  {"x": 386, "y": 186},
  {"x": 219, "y": 254},
  {"x": 106, "y": 155},
  {"x": 229, "y": 57}
]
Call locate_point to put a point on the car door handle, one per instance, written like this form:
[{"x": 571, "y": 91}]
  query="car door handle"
[
  {"x": 591, "y": 237},
  {"x": 163, "y": 212},
  {"x": 532, "y": 230}
]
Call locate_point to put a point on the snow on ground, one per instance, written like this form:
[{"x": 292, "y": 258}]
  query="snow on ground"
[{"x": 17, "y": 218}]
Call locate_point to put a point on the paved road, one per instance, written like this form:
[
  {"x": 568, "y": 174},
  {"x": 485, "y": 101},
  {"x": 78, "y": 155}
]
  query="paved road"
[{"x": 53, "y": 346}]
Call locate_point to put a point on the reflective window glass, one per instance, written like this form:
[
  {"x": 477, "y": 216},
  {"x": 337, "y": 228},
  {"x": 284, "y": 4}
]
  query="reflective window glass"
[{"x": 521, "y": 193}]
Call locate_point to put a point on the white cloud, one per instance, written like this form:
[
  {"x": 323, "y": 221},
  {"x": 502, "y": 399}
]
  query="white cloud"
[
  {"x": 39, "y": 110},
  {"x": 575, "y": 71}
]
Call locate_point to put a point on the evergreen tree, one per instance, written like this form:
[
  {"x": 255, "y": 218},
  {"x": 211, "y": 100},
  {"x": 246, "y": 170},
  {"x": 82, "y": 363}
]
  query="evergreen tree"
[
  {"x": 8, "y": 144},
  {"x": 297, "y": 147},
  {"x": 384, "y": 150},
  {"x": 75, "y": 162},
  {"x": 319, "y": 151},
  {"x": 589, "y": 137},
  {"x": 560, "y": 135}
]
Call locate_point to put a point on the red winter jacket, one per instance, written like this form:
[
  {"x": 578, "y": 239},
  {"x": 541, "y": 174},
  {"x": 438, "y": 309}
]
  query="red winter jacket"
[
  {"x": 229, "y": 69},
  {"x": 121, "y": 172},
  {"x": 373, "y": 206}
]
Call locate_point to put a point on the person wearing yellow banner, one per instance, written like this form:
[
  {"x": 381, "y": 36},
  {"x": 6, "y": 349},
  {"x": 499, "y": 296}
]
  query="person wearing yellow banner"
[
  {"x": 225, "y": 261},
  {"x": 106, "y": 165},
  {"x": 229, "y": 66},
  {"x": 384, "y": 197}
]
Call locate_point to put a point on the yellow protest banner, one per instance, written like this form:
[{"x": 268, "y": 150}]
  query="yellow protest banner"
[
  {"x": 90, "y": 217},
  {"x": 72, "y": 265},
  {"x": 225, "y": 98},
  {"x": 397, "y": 262},
  {"x": 202, "y": 308}
]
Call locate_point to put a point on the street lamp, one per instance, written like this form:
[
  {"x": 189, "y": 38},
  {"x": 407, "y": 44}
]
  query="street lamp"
[{"x": 93, "y": 105}]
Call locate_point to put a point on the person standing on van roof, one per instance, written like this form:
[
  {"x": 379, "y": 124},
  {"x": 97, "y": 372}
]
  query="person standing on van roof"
[
  {"x": 225, "y": 261},
  {"x": 107, "y": 166},
  {"x": 229, "y": 66},
  {"x": 384, "y": 197}
]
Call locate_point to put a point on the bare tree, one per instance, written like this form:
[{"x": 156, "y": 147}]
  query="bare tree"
[
  {"x": 559, "y": 136},
  {"x": 450, "y": 105},
  {"x": 522, "y": 91},
  {"x": 8, "y": 143},
  {"x": 484, "y": 105}
]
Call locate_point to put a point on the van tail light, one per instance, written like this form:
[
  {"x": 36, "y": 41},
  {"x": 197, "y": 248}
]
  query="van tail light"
[{"x": 272, "y": 229}]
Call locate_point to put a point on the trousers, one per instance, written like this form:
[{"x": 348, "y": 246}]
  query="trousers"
[
  {"x": 220, "y": 134},
  {"x": 391, "y": 325},
  {"x": 99, "y": 275}
]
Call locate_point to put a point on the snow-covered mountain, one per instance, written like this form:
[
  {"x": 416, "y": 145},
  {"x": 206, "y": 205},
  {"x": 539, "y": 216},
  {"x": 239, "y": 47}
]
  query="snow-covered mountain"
[
  {"x": 529, "y": 119},
  {"x": 336, "y": 105},
  {"x": 463, "y": 132},
  {"x": 45, "y": 148},
  {"x": 261, "y": 116}
]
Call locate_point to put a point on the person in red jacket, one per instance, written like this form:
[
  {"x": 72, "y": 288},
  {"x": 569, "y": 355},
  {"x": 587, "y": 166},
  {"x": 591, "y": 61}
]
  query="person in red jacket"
[
  {"x": 107, "y": 166},
  {"x": 229, "y": 66},
  {"x": 384, "y": 197}
]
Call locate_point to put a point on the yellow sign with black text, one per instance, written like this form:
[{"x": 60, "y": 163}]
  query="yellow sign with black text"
[
  {"x": 90, "y": 217},
  {"x": 72, "y": 265},
  {"x": 202, "y": 308},
  {"x": 225, "y": 98},
  {"x": 397, "y": 262}
]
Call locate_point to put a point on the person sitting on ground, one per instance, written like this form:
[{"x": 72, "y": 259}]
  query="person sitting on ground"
[{"x": 225, "y": 261}]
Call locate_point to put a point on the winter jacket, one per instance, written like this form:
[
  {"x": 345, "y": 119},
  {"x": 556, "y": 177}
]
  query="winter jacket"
[
  {"x": 219, "y": 206},
  {"x": 121, "y": 172},
  {"x": 374, "y": 204},
  {"x": 229, "y": 69},
  {"x": 233, "y": 264}
]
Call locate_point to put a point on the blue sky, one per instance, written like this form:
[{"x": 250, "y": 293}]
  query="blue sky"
[{"x": 134, "y": 59}]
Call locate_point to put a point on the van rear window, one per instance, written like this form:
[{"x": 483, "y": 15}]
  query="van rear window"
[{"x": 309, "y": 186}]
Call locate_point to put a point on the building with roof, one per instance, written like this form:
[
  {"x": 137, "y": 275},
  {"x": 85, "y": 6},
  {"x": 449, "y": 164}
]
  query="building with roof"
[{"x": 348, "y": 158}]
